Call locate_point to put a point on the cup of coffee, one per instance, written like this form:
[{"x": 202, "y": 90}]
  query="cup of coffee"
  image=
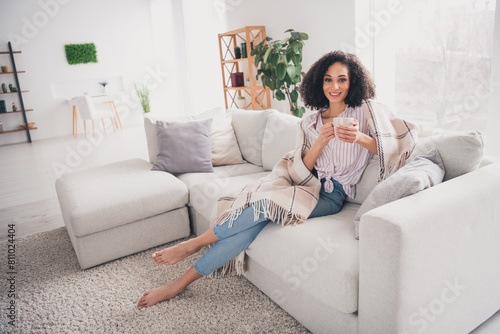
[{"x": 344, "y": 121}]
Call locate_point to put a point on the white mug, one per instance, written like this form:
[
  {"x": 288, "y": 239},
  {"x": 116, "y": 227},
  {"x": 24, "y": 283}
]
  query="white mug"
[{"x": 344, "y": 121}]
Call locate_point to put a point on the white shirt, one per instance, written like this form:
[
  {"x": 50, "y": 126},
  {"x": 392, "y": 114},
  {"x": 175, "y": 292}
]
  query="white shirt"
[{"x": 344, "y": 162}]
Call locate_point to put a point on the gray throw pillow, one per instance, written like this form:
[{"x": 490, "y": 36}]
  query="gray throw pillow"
[
  {"x": 184, "y": 147},
  {"x": 423, "y": 172},
  {"x": 461, "y": 152}
]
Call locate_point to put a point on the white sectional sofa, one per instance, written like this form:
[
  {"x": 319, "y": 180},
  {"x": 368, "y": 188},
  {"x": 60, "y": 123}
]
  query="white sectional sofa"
[{"x": 427, "y": 263}]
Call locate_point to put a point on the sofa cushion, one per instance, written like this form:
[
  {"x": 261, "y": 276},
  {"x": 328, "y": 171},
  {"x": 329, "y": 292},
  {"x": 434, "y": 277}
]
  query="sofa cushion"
[
  {"x": 220, "y": 173},
  {"x": 461, "y": 152},
  {"x": 203, "y": 196},
  {"x": 319, "y": 257},
  {"x": 105, "y": 197},
  {"x": 249, "y": 126},
  {"x": 423, "y": 172},
  {"x": 184, "y": 147},
  {"x": 279, "y": 137}
]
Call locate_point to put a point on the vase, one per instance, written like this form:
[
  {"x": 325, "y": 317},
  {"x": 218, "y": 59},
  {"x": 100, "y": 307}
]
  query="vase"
[{"x": 4, "y": 88}]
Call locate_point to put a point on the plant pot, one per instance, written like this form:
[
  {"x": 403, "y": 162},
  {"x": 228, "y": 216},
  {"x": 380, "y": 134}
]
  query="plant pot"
[{"x": 241, "y": 102}]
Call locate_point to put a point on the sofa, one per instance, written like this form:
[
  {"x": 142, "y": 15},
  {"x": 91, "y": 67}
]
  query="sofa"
[{"x": 425, "y": 263}]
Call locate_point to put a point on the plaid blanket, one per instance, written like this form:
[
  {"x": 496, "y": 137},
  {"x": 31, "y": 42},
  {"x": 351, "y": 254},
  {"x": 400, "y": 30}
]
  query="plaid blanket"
[
  {"x": 396, "y": 138},
  {"x": 290, "y": 192}
]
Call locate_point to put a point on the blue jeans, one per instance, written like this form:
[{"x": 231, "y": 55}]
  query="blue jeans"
[{"x": 233, "y": 240}]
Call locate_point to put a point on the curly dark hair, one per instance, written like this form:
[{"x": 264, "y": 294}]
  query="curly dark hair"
[{"x": 361, "y": 84}]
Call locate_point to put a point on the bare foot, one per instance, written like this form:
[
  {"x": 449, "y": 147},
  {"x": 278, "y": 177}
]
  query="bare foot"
[
  {"x": 174, "y": 254},
  {"x": 159, "y": 294}
]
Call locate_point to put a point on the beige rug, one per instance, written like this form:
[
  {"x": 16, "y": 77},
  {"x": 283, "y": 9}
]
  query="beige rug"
[{"x": 53, "y": 295}]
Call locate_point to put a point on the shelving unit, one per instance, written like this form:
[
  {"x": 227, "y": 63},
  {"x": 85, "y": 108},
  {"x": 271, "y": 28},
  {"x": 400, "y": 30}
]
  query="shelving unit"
[
  {"x": 260, "y": 97},
  {"x": 19, "y": 93}
]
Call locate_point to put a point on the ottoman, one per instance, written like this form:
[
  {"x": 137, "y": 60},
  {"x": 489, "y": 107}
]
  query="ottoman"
[{"x": 120, "y": 209}]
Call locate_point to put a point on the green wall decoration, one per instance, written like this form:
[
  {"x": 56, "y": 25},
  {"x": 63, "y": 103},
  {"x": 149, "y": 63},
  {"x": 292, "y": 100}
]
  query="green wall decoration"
[{"x": 80, "y": 53}]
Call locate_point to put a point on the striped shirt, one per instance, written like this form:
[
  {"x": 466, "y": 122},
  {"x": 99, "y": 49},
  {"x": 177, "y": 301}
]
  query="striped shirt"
[{"x": 344, "y": 162}]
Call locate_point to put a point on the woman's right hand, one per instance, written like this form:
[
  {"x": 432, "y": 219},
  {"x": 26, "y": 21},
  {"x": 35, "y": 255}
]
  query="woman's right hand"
[{"x": 326, "y": 133}]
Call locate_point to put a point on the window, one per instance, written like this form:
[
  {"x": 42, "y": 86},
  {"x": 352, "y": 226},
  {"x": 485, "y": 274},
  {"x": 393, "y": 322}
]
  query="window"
[{"x": 431, "y": 60}]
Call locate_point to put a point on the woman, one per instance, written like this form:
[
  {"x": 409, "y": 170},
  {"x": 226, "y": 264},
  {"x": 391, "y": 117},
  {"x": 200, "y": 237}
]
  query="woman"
[{"x": 336, "y": 84}]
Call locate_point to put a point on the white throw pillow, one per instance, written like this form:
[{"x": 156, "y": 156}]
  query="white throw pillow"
[
  {"x": 225, "y": 149},
  {"x": 461, "y": 152},
  {"x": 279, "y": 137},
  {"x": 249, "y": 126}
]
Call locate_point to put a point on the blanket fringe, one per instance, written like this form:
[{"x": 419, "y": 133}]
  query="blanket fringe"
[
  {"x": 235, "y": 267},
  {"x": 269, "y": 208}
]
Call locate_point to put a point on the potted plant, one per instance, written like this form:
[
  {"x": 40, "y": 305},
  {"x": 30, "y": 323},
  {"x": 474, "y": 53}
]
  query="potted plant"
[
  {"x": 143, "y": 94},
  {"x": 237, "y": 52},
  {"x": 279, "y": 63},
  {"x": 103, "y": 84},
  {"x": 241, "y": 102}
]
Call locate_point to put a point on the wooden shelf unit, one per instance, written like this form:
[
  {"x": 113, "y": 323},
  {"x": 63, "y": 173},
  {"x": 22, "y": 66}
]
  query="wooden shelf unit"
[
  {"x": 19, "y": 92},
  {"x": 260, "y": 98}
]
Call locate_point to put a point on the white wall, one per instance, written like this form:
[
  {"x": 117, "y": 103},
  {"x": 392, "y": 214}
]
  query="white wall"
[{"x": 492, "y": 145}]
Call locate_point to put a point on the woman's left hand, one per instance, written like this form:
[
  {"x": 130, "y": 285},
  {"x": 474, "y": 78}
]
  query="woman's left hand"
[{"x": 349, "y": 134}]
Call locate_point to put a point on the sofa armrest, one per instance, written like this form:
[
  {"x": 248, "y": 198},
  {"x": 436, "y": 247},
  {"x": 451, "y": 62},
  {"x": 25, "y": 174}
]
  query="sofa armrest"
[{"x": 430, "y": 262}]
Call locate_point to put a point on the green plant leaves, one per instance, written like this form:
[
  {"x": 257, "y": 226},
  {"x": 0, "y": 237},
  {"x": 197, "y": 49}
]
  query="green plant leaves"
[
  {"x": 299, "y": 112},
  {"x": 80, "y": 53},
  {"x": 275, "y": 58},
  {"x": 294, "y": 96},
  {"x": 290, "y": 69},
  {"x": 268, "y": 51},
  {"x": 280, "y": 95},
  {"x": 279, "y": 66},
  {"x": 296, "y": 59},
  {"x": 281, "y": 70}
]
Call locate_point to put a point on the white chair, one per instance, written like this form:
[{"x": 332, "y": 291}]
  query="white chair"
[{"x": 89, "y": 112}]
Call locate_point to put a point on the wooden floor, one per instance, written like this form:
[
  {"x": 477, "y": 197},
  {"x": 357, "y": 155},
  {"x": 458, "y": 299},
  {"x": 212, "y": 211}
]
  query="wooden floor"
[{"x": 28, "y": 172}]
